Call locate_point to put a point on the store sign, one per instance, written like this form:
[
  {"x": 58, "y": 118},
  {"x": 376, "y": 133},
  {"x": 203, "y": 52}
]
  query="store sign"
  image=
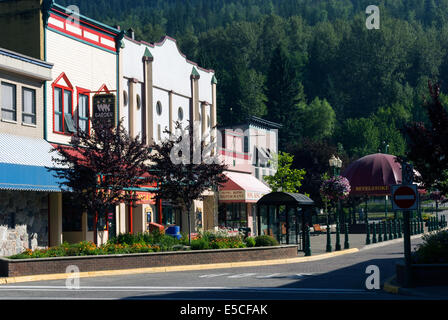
[
  {"x": 239, "y": 195},
  {"x": 229, "y": 195},
  {"x": 145, "y": 197},
  {"x": 255, "y": 196},
  {"x": 372, "y": 189},
  {"x": 104, "y": 108}
]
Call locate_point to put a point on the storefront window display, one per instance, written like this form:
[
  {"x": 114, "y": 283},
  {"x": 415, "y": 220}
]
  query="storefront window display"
[{"x": 232, "y": 215}]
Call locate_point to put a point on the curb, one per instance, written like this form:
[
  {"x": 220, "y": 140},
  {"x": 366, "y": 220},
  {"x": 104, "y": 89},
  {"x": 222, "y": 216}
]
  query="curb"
[
  {"x": 389, "y": 287},
  {"x": 396, "y": 289},
  {"x": 387, "y": 242},
  {"x": 62, "y": 276}
]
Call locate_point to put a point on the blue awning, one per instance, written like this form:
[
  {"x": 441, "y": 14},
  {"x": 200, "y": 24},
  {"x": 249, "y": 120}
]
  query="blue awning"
[
  {"x": 27, "y": 178},
  {"x": 24, "y": 162}
]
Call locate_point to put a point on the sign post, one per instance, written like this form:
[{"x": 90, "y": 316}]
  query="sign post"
[{"x": 405, "y": 197}]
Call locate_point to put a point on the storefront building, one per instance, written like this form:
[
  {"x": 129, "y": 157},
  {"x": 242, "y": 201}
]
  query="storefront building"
[
  {"x": 30, "y": 196},
  {"x": 237, "y": 197},
  {"x": 159, "y": 87},
  {"x": 84, "y": 55}
]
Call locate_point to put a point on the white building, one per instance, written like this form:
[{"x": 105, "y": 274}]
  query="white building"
[{"x": 159, "y": 87}]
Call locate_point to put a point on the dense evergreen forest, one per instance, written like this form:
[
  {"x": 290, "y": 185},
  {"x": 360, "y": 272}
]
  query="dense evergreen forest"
[{"x": 311, "y": 65}]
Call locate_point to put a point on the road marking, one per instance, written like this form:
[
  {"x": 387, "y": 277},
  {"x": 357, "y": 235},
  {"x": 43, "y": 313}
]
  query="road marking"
[
  {"x": 242, "y": 275},
  {"x": 213, "y": 275},
  {"x": 269, "y": 276}
]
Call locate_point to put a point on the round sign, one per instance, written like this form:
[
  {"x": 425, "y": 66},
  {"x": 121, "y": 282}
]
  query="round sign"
[{"x": 405, "y": 197}]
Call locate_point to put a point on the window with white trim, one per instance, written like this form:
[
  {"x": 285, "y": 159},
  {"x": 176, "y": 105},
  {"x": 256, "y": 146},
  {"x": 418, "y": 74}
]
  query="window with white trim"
[
  {"x": 9, "y": 100},
  {"x": 28, "y": 106}
]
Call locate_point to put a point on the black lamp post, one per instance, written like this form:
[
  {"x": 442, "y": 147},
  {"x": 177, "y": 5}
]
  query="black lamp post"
[
  {"x": 336, "y": 164},
  {"x": 386, "y": 150}
]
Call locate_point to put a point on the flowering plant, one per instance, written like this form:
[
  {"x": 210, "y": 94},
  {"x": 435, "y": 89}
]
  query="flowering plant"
[{"x": 335, "y": 188}]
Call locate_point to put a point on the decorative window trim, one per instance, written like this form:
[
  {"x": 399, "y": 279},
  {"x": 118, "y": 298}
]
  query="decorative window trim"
[
  {"x": 63, "y": 88},
  {"x": 85, "y": 92},
  {"x": 103, "y": 88}
]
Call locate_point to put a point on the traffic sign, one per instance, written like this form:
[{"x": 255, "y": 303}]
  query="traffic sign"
[{"x": 404, "y": 197}]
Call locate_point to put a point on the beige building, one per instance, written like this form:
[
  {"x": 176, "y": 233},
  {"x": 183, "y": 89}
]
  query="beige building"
[{"x": 29, "y": 194}]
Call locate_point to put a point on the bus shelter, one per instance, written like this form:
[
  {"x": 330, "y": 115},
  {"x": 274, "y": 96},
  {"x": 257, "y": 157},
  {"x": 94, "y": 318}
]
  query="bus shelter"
[{"x": 284, "y": 216}]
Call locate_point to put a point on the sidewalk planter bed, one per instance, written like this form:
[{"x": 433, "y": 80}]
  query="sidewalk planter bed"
[
  {"x": 430, "y": 261},
  {"x": 23, "y": 267}
]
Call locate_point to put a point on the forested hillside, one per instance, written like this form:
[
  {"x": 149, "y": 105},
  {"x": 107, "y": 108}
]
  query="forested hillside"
[{"x": 311, "y": 65}]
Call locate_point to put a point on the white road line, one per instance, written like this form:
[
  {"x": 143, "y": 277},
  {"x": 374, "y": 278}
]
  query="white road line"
[
  {"x": 242, "y": 275},
  {"x": 269, "y": 276},
  {"x": 213, "y": 275}
]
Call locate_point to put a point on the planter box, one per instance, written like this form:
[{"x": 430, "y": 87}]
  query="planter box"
[
  {"x": 425, "y": 274},
  {"x": 24, "y": 267}
]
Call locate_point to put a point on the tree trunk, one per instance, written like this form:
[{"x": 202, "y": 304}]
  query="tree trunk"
[
  {"x": 95, "y": 228},
  {"x": 189, "y": 223}
]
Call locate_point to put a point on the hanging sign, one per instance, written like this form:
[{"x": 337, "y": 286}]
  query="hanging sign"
[{"x": 104, "y": 108}]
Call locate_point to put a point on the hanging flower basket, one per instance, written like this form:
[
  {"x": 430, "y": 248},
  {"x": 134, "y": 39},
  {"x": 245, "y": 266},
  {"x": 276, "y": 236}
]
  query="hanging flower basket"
[{"x": 335, "y": 188}]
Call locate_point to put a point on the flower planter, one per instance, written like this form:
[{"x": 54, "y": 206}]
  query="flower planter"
[{"x": 24, "y": 267}]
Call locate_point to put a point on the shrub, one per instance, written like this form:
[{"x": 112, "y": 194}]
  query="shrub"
[
  {"x": 434, "y": 249},
  {"x": 199, "y": 244},
  {"x": 265, "y": 240},
  {"x": 250, "y": 242},
  {"x": 225, "y": 243}
]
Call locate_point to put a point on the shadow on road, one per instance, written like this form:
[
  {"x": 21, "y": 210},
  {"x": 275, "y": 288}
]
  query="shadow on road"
[{"x": 344, "y": 283}]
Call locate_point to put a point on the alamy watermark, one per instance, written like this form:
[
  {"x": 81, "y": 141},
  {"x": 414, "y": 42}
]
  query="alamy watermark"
[
  {"x": 373, "y": 280},
  {"x": 73, "y": 280},
  {"x": 373, "y": 20}
]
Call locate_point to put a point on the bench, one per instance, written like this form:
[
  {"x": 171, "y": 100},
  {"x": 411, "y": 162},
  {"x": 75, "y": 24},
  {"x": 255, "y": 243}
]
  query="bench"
[{"x": 318, "y": 229}]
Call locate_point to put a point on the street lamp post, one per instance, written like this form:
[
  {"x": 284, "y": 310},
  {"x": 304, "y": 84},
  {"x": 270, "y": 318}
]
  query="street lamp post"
[{"x": 336, "y": 164}]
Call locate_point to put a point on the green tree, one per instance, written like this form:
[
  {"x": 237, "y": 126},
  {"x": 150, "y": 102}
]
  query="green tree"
[
  {"x": 317, "y": 119},
  {"x": 285, "y": 179},
  {"x": 284, "y": 93}
]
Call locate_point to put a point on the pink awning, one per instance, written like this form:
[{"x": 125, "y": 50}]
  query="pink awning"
[{"x": 242, "y": 187}]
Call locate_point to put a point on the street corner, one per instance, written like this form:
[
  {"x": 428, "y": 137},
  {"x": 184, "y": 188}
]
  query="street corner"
[{"x": 391, "y": 286}]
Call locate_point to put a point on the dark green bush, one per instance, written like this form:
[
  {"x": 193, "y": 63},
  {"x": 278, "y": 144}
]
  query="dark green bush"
[
  {"x": 265, "y": 240},
  {"x": 200, "y": 244},
  {"x": 434, "y": 248}
]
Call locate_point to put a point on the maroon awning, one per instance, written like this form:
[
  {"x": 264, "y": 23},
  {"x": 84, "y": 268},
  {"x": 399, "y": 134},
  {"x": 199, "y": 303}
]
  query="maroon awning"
[{"x": 373, "y": 174}]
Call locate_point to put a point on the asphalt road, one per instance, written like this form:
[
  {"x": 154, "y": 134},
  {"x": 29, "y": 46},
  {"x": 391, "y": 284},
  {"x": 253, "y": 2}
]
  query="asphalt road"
[{"x": 338, "y": 278}]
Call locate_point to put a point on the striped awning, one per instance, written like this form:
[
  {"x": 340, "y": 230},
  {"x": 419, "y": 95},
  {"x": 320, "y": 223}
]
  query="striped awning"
[{"x": 24, "y": 164}]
